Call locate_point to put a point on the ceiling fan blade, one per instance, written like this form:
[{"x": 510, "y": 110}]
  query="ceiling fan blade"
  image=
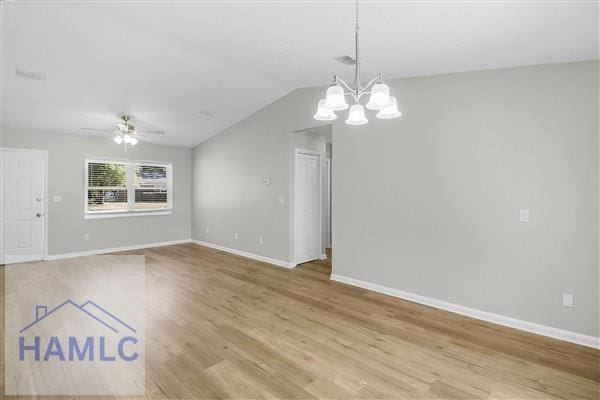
[
  {"x": 152, "y": 132},
  {"x": 143, "y": 138},
  {"x": 98, "y": 130}
]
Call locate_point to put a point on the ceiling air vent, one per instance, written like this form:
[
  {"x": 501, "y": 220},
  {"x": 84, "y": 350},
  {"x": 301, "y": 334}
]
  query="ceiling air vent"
[
  {"x": 31, "y": 75},
  {"x": 346, "y": 60}
]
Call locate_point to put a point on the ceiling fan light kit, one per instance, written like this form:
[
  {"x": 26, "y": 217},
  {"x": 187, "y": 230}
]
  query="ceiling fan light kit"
[
  {"x": 335, "y": 99},
  {"x": 126, "y": 138},
  {"x": 126, "y": 133}
]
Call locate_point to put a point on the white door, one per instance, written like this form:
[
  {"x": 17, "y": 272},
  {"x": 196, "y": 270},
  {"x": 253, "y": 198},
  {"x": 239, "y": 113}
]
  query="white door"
[
  {"x": 22, "y": 218},
  {"x": 307, "y": 204}
]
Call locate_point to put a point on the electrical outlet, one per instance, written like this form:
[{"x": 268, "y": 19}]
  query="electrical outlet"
[
  {"x": 567, "y": 300},
  {"x": 236, "y": 236},
  {"x": 86, "y": 236},
  {"x": 524, "y": 215},
  {"x": 260, "y": 240}
]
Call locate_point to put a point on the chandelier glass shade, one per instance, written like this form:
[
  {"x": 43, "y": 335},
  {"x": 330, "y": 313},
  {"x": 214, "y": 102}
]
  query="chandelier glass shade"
[
  {"x": 335, "y": 100},
  {"x": 389, "y": 112},
  {"x": 379, "y": 95},
  {"x": 324, "y": 113},
  {"x": 356, "y": 116}
]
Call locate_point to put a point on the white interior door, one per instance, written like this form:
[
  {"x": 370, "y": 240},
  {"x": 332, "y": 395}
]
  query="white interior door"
[
  {"x": 307, "y": 203},
  {"x": 22, "y": 218}
]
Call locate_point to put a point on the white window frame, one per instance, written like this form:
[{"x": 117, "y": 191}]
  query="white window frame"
[{"x": 130, "y": 187}]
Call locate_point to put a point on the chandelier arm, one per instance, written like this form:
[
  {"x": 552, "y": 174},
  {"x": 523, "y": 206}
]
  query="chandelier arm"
[
  {"x": 344, "y": 84},
  {"x": 371, "y": 82}
]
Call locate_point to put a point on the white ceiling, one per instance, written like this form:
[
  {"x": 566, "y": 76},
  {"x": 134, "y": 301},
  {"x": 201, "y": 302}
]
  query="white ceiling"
[{"x": 163, "y": 62}]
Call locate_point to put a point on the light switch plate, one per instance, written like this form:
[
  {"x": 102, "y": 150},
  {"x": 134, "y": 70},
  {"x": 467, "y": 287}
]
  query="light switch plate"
[
  {"x": 567, "y": 300},
  {"x": 281, "y": 200},
  {"x": 57, "y": 199},
  {"x": 524, "y": 215}
]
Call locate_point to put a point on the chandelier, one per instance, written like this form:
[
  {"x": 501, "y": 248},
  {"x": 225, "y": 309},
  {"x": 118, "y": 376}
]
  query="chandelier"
[{"x": 379, "y": 92}]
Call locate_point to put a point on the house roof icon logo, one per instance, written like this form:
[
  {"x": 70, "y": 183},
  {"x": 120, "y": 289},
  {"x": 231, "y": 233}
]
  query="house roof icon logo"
[{"x": 88, "y": 308}]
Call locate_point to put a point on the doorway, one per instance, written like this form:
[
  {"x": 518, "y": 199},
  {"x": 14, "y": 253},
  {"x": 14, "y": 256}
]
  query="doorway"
[
  {"x": 23, "y": 213},
  {"x": 307, "y": 206}
]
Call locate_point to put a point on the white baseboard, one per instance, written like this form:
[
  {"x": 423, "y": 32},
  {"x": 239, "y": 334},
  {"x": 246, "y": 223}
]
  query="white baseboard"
[
  {"x": 323, "y": 257},
  {"x": 17, "y": 259},
  {"x": 556, "y": 333},
  {"x": 113, "y": 250},
  {"x": 279, "y": 263}
]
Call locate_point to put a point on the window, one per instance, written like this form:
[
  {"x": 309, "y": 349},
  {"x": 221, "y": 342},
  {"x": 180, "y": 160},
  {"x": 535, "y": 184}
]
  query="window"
[
  {"x": 117, "y": 188},
  {"x": 151, "y": 188},
  {"x": 107, "y": 186}
]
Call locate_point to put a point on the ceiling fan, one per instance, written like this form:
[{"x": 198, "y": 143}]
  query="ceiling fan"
[{"x": 126, "y": 133}]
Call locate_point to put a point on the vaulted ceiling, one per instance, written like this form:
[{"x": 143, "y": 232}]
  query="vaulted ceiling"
[{"x": 168, "y": 64}]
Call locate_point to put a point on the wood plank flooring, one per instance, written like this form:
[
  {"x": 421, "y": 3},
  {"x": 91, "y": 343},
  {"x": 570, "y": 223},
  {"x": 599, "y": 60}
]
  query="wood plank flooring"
[{"x": 238, "y": 328}]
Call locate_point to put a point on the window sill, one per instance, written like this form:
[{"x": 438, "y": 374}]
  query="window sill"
[{"x": 100, "y": 215}]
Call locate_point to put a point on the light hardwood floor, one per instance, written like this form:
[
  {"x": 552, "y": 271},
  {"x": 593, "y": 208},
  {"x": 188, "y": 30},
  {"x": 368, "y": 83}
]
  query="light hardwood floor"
[{"x": 237, "y": 328}]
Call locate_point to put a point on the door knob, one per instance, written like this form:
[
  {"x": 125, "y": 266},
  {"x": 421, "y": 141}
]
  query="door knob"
[
  {"x": 38, "y": 215},
  {"x": 38, "y": 199}
]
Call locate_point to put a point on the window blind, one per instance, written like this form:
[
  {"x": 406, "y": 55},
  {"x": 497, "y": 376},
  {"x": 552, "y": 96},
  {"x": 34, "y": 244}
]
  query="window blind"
[
  {"x": 127, "y": 186},
  {"x": 107, "y": 187}
]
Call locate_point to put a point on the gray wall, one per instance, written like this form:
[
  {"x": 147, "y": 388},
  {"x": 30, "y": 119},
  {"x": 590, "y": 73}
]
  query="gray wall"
[
  {"x": 66, "y": 225},
  {"x": 429, "y": 203},
  {"x": 228, "y": 172}
]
